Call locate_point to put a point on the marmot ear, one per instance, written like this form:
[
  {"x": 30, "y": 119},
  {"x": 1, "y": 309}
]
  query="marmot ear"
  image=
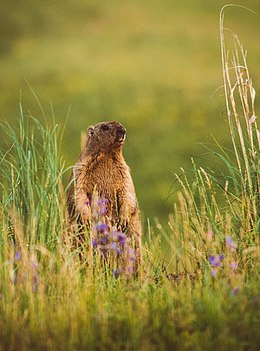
[{"x": 90, "y": 131}]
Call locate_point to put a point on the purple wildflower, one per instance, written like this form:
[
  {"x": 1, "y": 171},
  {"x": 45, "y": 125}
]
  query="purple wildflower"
[
  {"x": 94, "y": 243},
  {"x": 230, "y": 243},
  {"x": 102, "y": 205},
  {"x": 233, "y": 265},
  {"x": 221, "y": 257},
  {"x": 235, "y": 291},
  {"x": 214, "y": 261},
  {"x": 87, "y": 203},
  {"x": 101, "y": 227},
  {"x": 130, "y": 270},
  {"x": 214, "y": 273},
  {"x": 131, "y": 254},
  {"x": 113, "y": 246},
  {"x": 118, "y": 251},
  {"x": 103, "y": 201},
  {"x": 104, "y": 240},
  {"x": 122, "y": 239},
  {"x": 103, "y": 211},
  {"x": 116, "y": 273},
  {"x": 17, "y": 256}
]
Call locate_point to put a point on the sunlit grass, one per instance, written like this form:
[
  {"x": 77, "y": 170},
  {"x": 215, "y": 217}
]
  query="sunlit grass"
[{"x": 200, "y": 274}]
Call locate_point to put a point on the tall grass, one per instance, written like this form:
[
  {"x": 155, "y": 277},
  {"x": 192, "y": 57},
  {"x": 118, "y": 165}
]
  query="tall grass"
[
  {"x": 198, "y": 211},
  {"x": 240, "y": 105},
  {"x": 205, "y": 295},
  {"x": 31, "y": 179}
]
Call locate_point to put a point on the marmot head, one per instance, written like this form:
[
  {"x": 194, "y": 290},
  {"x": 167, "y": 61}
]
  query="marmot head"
[{"x": 106, "y": 137}]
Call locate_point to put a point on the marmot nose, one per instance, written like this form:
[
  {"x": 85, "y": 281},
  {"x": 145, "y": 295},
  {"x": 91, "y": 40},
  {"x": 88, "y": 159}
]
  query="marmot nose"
[{"x": 121, "y": 130}]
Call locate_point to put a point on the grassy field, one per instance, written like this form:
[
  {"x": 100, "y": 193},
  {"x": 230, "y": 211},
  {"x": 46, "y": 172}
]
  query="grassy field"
[
  {"x": 198, "y": 287},
  {"x": 153, "y": 65}
]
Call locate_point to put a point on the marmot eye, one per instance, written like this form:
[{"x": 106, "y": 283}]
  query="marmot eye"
[{"x": 105, "y": 127}]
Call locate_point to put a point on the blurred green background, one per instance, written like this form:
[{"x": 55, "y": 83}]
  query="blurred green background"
[{"x": 153, "y": 65}]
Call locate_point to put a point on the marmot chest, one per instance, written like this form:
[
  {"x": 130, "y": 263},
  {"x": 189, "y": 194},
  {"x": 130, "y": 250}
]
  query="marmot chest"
[{"x": 106, "y": 174}]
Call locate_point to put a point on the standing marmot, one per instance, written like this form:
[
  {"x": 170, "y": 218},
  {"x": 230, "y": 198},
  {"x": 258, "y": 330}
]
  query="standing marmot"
[{"x": 101, "y": 172}]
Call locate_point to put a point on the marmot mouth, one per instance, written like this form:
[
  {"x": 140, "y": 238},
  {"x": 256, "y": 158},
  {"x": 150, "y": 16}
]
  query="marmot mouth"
[{"x": 121, "y": 137}]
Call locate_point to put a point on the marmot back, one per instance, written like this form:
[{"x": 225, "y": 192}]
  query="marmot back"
[{"x": 101, "y": 174}]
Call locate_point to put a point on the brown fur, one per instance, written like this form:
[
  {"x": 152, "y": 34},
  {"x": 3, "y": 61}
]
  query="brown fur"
[{"x": 101, "y": 172}]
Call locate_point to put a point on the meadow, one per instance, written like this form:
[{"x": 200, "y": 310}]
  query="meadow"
[
  {"x": 198, "y": 287},
  {"x": 153, "y": 65}
]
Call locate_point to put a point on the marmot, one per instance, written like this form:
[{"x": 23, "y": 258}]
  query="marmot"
[{"x": 101, "y": 172}]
